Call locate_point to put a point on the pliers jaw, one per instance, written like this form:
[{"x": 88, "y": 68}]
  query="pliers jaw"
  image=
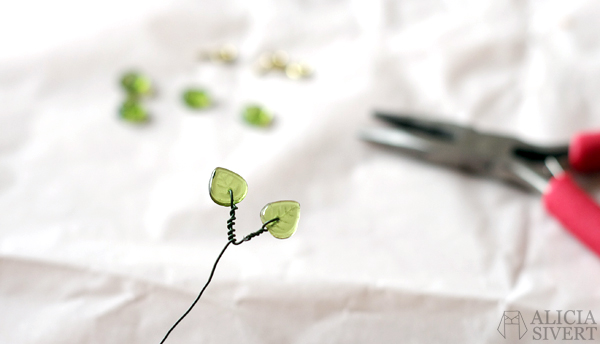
[
  {"x": 510, "y": 160},
  {"x": 491, "y": 155},
  {"x": 534, "y": 171}
]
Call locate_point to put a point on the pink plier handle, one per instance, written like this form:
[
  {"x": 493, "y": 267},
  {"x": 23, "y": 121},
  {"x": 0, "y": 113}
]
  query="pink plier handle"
[
  {"x": 575, "y": 209},
  {"x": 567, "y": 202},
  {"x": 584, "y": 152}
]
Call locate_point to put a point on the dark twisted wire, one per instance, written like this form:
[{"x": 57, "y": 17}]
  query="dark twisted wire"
[
  {"x": 231, "y": 221},
  {"x": 212, "y": 272},
  {"x": 257, "y": 233}
]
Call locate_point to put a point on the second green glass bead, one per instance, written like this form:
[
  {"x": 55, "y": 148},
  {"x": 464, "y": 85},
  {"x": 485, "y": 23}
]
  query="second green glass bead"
[
  {"x": 136, "y": 84},
  {"x": 197, "y": 99},
  {"x": 257, "y": 116},
  {"x": 133, "y": 111}
]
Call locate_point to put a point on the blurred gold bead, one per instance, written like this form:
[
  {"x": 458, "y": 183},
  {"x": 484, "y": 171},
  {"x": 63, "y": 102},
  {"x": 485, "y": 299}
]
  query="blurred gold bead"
[
  {"x": 227, "y": 53},
  {"x": 265, "y": 63},
  {"x": 298, "y": 70},
  {"x": 280, "y": 59}
]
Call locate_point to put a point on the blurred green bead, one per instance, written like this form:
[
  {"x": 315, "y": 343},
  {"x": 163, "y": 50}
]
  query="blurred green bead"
[
  {"x": 197, "y": 99},
  {"x": 257, "y": 116},
  {"x": 132, "y": 111},
  {"x": 136, "y": 84}
]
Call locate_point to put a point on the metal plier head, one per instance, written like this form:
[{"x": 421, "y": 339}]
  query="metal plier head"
[{"x": 491, "y": 155}]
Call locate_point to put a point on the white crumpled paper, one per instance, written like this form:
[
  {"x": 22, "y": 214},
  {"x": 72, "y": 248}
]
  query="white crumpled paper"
[{"x": 107, "y": 231}]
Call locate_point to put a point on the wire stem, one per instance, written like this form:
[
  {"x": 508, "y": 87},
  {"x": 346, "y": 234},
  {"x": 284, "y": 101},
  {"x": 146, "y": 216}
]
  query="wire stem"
[
  {"x": 231, "y": 240},
  {"x": 199, "y": 295}
]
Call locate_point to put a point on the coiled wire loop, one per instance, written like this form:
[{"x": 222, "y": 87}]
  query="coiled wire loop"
[{"x": 231, "y": 222}]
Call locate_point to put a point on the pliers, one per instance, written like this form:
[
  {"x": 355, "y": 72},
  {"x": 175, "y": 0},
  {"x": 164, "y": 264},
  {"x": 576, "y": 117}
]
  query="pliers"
[{"x": 531, "y": 167}]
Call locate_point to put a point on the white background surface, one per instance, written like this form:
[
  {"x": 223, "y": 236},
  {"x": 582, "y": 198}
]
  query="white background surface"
[{"x": 107, "y": 231}]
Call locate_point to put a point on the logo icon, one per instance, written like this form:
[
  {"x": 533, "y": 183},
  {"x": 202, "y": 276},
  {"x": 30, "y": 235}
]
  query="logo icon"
[{"x": 512, "y": 318}]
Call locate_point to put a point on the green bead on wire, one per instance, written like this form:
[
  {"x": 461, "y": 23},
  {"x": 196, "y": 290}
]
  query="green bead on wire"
[{"x": 227, "y": 188}]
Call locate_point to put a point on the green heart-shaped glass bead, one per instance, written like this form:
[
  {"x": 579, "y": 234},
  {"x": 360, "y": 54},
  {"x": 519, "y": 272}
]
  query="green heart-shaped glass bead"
[
  {"x": 197, "y": 98},
  {"x": 136, "y": 84},
  {"x": 257, "y": 116},
  {"x": 133, "y": 111},
  {"x": 288, "y": 213},
  {"x": 221, "y": 181}
]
